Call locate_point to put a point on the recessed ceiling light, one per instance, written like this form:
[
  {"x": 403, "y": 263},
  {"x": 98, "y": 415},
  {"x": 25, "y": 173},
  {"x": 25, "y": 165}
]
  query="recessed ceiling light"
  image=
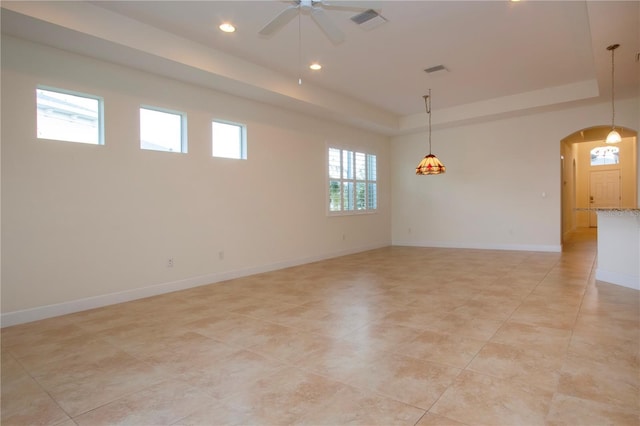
[
  {"x": 227, "y": 27},
  {"x": 315, "y": 66}
]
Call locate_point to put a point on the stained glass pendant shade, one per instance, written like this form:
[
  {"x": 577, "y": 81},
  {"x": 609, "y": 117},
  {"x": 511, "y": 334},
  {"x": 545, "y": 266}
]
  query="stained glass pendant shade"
[{"x": 430, "y": 165}]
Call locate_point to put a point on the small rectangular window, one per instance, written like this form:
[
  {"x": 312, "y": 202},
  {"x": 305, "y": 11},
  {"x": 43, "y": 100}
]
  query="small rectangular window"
[
  {"x": 162, "y": 130},
  {"x": 605, "y": 155},
  {"x": 228, "y": 140},
  {"x": 352, "y": 182},
  {"x": 69, "y": 116}
]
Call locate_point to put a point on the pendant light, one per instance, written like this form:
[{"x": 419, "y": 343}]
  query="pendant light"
[
  {"x": 430, "y": 165},
  {"x": 613, "y": 136}
]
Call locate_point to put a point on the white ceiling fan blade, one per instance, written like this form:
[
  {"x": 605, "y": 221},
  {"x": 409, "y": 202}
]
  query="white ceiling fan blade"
[
  {"x": 279, "y": 21},
  {"x": 329, "y": 28}
]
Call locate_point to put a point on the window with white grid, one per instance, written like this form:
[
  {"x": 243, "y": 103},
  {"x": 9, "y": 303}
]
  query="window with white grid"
[{"x": 353, "y": 186}]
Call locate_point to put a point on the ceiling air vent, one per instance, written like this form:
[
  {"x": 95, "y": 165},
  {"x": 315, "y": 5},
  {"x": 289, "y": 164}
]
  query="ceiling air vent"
[
  {"x": 369, "y": 19},
  {"x": 436, "y": 69}
]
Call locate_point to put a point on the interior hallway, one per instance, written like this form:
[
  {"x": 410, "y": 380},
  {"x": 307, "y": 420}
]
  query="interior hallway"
[{"x": 399, "y": 335}]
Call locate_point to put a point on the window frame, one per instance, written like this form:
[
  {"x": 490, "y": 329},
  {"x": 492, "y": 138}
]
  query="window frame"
[
  {"x": 243, "y": 138},
  {"x": 100, "y": 112},
  {"x": 183, "y": 128},
  {"x": 354, "y": 181}
]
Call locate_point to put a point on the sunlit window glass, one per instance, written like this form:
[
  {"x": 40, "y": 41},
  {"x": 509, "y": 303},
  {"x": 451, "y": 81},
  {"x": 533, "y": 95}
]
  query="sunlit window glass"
[
  {"x": 69, "y": 117},
  {"x": 228, "y": 140},
  {"x": 604, "y": 155},
  {"x": 161, "y": 130}
]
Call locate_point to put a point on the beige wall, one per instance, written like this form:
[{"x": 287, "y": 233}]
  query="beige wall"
[
  {"x": 85, "y": 225},
  {"x": 502, "y": 188}
]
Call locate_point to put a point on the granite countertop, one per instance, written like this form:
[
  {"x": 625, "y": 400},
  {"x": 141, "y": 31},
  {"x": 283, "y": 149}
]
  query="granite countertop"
[
  {"x": 608, "y": 209},
  {"x": 612, "y": 211}
]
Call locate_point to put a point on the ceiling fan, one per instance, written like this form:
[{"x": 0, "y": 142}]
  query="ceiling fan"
[{"x": 316, "y": 9}]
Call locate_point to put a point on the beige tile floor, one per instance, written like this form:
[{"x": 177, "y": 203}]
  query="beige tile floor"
[{"x": 399, "y": 335}]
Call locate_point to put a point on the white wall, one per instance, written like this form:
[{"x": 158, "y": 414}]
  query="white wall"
[
  {"x": 497, "y": 172},
  {"x": 86, "y": 225},
  {"x": 619, "y": 248}
]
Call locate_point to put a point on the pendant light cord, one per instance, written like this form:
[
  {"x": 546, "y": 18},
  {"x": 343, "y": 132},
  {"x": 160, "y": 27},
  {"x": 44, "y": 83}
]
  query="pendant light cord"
[
  {"x": 299, "y": 49},
  {"x": 613, "y": 104},
  {"x": 612, "y": 48},
  {"x": 427, "y": 106}
]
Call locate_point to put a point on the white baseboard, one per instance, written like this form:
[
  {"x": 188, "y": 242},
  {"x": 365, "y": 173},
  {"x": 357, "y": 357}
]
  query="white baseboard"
[
  {"x": 42, "y": 312},
  {"x": 617, "y": 278},
  {"x": 461, "y": 245}
]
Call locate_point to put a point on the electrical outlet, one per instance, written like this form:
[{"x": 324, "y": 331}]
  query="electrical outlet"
[
  {"x": 221, "y": 255},
  {"x": 170, "y": 262}
]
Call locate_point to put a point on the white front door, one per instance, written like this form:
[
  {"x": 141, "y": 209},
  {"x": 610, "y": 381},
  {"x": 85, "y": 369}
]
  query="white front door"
[{"x": 604, "y": 191}]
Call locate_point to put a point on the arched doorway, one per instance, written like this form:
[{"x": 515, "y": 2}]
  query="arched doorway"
[{"x": 588, "y": 165}]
